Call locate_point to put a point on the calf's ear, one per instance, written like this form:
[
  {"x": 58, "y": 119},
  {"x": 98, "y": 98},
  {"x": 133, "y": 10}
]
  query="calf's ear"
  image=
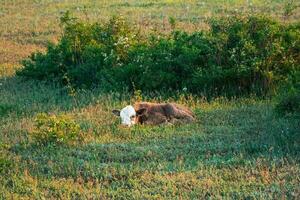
[
  {"x": 116, "y": 112},
  {"x": 141, "y": 111}
]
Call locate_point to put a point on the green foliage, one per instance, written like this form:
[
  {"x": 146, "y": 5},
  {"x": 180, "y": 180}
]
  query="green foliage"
[
  {"x": 289, "y": 104},
  {"x": 55, "y": 129},
  {"x": 84, "y": 53},
  {"x": 252, "y": 54},
  {"x": 40, "y": 66},
  {"x": 289, "y": 99},
  {"x": 237, "y": 56},
  {"x": 5, "y": 109}
]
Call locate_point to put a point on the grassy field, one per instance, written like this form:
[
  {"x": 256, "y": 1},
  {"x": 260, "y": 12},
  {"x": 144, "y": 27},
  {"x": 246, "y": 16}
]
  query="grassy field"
[
  {"x": 237, "y": 149},
  {"x": 232, "y": 151}
]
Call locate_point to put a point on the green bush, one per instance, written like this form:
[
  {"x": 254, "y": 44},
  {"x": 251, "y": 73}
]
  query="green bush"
[
  {"x": 237, "y": 56},
  {"x": 84, "y": 53},
  {"x": 59, "y": 129},
  {"x": 252, "y": 55},
  {"x": 290, "y": 104},
  {"x": 289, "y": 99}
]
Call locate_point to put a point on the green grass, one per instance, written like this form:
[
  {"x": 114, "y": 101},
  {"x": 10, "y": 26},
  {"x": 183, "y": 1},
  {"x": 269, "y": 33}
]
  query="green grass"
[
  {"x": 232, "y": 151},
  {"x": 237, "y": 149}
]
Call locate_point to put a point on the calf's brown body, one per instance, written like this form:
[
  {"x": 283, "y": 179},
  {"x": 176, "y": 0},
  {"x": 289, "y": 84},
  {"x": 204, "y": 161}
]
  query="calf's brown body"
[{"x": 159, "y": 113}]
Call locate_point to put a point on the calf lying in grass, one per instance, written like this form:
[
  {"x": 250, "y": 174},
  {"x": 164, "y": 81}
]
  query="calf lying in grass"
[{"x": 154, "y": 114}]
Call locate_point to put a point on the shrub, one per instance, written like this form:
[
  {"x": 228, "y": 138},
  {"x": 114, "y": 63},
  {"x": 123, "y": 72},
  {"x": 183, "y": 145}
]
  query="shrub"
[
  {"x": 168, "y": 62},
  {"x": 289, "y": 99},
  {"x": 290, "y": 104},
  {"x": 237, "y": 56},
  {"x": 59, "y": 129},
  {"x": 251, "y": 55},
  {"x": 84, "y": 53}
]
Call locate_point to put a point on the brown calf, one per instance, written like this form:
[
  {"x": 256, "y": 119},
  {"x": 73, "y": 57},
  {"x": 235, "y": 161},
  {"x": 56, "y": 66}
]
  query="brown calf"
[{"x": 158, "y": 113}]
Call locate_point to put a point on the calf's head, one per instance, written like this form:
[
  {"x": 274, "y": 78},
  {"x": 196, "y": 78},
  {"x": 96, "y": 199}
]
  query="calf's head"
[{"x": 129, "y": 116}]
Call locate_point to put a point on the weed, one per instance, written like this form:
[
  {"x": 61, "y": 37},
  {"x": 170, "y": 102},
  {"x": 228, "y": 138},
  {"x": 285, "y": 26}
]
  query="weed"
[{"x": 55, "y": 129}]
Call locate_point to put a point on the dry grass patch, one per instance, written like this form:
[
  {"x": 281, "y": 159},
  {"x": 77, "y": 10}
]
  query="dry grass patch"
[{"x": 12, "y": 52}]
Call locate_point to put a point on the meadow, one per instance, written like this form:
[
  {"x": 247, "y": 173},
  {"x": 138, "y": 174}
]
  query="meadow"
[{"x": 238, "y": 148}]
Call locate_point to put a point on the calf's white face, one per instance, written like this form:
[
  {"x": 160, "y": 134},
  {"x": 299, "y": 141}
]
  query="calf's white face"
[{"x": 127, "y": 115}]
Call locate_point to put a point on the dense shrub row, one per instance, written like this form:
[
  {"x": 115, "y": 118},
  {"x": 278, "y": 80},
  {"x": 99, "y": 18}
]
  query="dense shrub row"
[{"x": 236, "y": 56}]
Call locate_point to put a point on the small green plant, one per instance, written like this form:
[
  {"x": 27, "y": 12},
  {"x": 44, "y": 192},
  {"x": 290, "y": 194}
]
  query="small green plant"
[
  {"x": 289, "y": 99},
  {"x": 172, "y": 22},
  {"x": 137, "y": 94},
  {"x": 59, "y": 129},
  {"x": 70, "y": 89}
]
